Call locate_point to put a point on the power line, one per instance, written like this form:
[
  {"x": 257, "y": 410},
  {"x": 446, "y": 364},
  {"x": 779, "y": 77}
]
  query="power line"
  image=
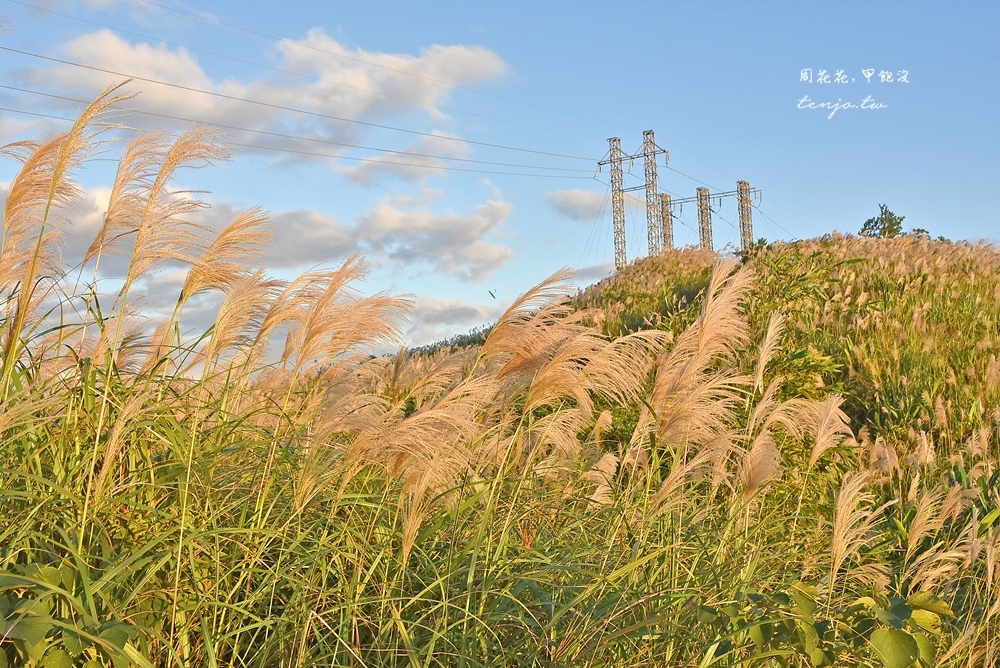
[
  {"x": 794, "y": 216},
  {"x": 297, "y": 74},
  {"x": 778, "y": 225},
  {"x": 725, "y": 173},
  {"x": 405, "y": 164},
  {"x": 309, "y": 139},
  {"x": 593, "y": 226},
  {"x": 371, "y": 64},
  {"x": 35, "y": 113},
  {"x": 359, "y": 60},
  {"x": 676, "y": 171},
  {"x": 338, "y": 157},
  {"x": 306, "y": 112}
]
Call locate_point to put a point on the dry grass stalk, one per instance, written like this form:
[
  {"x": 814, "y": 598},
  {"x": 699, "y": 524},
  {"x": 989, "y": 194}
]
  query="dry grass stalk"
[
  {"x": 761, "y": 464},
  {"x": 687, "y": 469},
  {"x": 601, "y": 475},
  {"x": 956, "y": 501},
  {"x": 136, "y": 174},
  {"x": 772, "y": 340},
  {"x": 883, "y": 456},
  {"x": 42, "y": 188},
  {"x": 124, "y": 423},
  {"x": 241, "y": 315},
  {"x": 550, "y": 442},
  {"x": 927, "y": 521},
  {"x": 693, "y": 403},
  {"x": 853, "y": 521},
  {"x": 603, "y": 423},
  {"x": 508, "y": 335},
  {"x": 833, "y": 428},
  {"x": 163, "y": 232},
  {"x": 433, "y": 449},
  {"x": 326, "y": 319}
]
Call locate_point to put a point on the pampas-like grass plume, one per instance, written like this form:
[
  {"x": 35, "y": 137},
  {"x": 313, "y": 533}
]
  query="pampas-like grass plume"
[
  {"x": 853, "y": 520},
  {"x": 692, "y": 402},
  {"x": 768, "y": 348},
  {"x": 761, "y": 464},
  {"x": 163, "y": 231},
  {"x": 833, "y": 428},
  {"x": 226, "y": 259},
  {"x": 41, "y": 189}
]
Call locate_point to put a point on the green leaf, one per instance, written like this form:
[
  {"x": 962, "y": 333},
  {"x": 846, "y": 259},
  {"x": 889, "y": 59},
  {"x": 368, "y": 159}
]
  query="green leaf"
[
  {"x": 927, "y": 620},
  {"x": 706, "y": 614},
  {"x": 74, "y": 644},
  {"x": 67, "y": 575},
  {"x": 36, "y": 650},
  {"x": 866, "y": 601},
  {"x": 897, "y": 613},
  {"x": 896, "y": 649},
  {"x": 809, "y": 638},
  {"x": 50, "y": 575},
  {"x": 804, "y": 599},
  {"x": 926, "y": 648},
  {"x": 988, "y": 521},
  {"x": 57, "y": 658},
  {"x": 924, "y": 600},
  {"x": 30, "y": 629},
  {"x": 117, "y": 635}
]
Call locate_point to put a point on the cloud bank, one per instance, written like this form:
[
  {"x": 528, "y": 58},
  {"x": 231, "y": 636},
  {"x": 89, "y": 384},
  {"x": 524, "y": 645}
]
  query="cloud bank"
[{"x": 581, "y": 205}]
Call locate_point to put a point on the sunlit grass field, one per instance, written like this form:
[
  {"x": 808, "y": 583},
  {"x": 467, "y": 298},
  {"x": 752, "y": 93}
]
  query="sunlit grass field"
[{"x": 783, "y": 459}]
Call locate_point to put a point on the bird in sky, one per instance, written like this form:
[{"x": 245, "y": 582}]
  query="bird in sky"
[{"x": 492, "y": 293}]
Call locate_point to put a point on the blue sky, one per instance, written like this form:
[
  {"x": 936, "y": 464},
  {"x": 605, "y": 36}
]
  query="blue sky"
[{"x": 545, "y": 84}]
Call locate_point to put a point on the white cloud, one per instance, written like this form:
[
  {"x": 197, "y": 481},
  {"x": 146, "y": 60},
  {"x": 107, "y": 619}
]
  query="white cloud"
[
  {"x": 586, "y": 275},
  {"x": 399, "y": 230},
  {"x": 106, "y": 50},
  {"x": 436, "y": 319},
  {"x": 426, "y": 79},
  {"x": 411, "y": 164},
  {"x": 307, "y": 237},
  {"x": 453, "y": 243},
  {"x": 579, "y": 205},
  {"x": 341, "y": 87}
]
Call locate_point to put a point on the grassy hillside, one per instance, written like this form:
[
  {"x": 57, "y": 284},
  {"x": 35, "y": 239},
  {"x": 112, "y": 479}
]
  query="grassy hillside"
[
  {"x": 906, "y": 329},
  {"x": 792, "y": 462}
]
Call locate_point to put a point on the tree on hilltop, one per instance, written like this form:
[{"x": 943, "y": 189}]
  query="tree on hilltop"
[{"x": 885, "y": 225}]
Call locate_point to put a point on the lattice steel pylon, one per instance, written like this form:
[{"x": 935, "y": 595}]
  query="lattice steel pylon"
[
  {"x": 666, "y": 223},
  {"x": 653, "y": 230},
  {"x": 746, "y": 221},
  {"x": 705, "y": 218},
  {"x": 617, "y": 199}
]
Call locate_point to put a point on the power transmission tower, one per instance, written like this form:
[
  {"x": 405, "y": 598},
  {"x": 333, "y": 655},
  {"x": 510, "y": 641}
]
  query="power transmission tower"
[
  {"x": 743, "y": 193},
  {"x": 654, "y": 231},
  {"x": 614, "y": 159},
  {"x": 745, "y": 207},
  {"x": 704, "y": 218},
  {"x": 654, "y": 223},
  {"x": 666, "y": 223}
]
